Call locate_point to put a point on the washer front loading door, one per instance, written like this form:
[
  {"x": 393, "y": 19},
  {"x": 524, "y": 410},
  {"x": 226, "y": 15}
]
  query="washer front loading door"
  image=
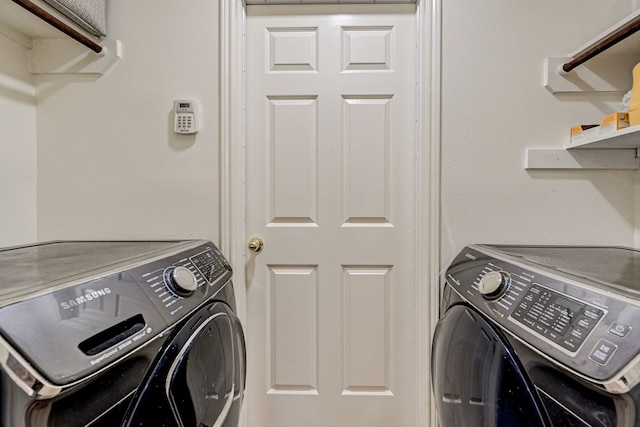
[
  {"x": 477, "y": 379},
  {"x": 193, "y": 380}
]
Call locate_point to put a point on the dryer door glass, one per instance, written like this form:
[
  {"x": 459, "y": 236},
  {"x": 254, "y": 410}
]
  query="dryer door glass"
[{"x": 477, "y": 380}]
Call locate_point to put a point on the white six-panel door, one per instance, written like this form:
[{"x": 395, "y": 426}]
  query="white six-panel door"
[{"x": 331, "y": 161}]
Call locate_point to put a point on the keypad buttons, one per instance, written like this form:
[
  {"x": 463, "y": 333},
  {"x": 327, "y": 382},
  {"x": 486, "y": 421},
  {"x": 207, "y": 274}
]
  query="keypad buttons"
[
  {"x": 603, "y": 351},
  {"x": 210, "y": 265},
  {"x": 565, "y": 321},
  {"x": 619, "y": 329}
]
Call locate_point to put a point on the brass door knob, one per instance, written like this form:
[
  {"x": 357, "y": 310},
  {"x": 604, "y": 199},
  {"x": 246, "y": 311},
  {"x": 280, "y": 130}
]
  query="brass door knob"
[{"x": 256, "y": 244}]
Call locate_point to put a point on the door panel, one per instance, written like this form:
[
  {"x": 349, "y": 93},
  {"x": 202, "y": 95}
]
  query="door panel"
[{"x": 330, "y": 188}]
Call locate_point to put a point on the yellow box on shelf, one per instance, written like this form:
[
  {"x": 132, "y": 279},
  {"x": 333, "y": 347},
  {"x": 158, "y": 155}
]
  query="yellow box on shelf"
[
  {"x": 582, "y": 132},
  {"x": 610, "y": 123},
  {"x": 614, "y": 122}
]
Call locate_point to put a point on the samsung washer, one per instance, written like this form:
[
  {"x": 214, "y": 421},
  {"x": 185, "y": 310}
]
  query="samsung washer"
[
  {"x": 97, "y": 333},
  {"x": 539, "y": 336}
]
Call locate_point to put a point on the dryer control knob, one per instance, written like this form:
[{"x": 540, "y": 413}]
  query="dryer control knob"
[
  {"x": 494, "y": 284},
  {"x": 181, "y": 281}
]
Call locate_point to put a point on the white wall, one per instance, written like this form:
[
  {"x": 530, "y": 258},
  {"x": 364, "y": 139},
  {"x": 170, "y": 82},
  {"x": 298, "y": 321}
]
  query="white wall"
[
  {"x": 110, "y": 165},
  {"x": 494, "y": 106},
  {"x": 17, "y": 146}
]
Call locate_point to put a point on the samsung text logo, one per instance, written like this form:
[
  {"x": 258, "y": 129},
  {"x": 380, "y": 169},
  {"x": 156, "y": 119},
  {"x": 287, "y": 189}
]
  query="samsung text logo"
[{"x": 82, "y": 299}]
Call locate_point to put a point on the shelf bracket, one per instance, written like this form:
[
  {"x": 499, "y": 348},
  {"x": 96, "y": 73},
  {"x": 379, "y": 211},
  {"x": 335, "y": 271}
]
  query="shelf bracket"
[
  {"x": 600, "y": 74},
  {"x": 65, "y": 56},
  {"x": 622, "y": 159},
  {"x": 58, "y": 24}
]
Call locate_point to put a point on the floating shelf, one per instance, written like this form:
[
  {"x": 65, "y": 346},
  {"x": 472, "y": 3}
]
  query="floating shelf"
[
  {"x": 624, "y": 138},
  {"x": 621, "y": 159},
  {"x": 610, "y": 71},
  {"x": 604, "y": 72},
  {"x": 50, "y": 50},
  {"x": 616, "y": 150},
  {"x": 15, "y": 19}
]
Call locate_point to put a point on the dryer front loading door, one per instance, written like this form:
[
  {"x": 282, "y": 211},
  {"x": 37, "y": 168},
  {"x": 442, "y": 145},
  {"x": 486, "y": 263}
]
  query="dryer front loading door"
[
  {"x": 194, "y": 380},
  {"x": 477, "y": 379}
]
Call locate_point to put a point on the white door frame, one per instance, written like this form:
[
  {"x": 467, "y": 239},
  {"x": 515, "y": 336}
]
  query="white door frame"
[{"x": 232, "y": 174}]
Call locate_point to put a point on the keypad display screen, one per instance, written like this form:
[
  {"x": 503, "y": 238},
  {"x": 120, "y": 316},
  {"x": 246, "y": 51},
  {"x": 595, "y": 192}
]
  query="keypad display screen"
[{"x": 564, "y": 321}]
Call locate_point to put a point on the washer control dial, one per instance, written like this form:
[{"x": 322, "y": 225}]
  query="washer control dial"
[
  {"x": 493, "y": 284},
  {"x": 181, "y": 281}
]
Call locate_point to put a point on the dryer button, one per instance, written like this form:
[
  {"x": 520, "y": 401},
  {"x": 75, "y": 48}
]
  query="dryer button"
[{"x": 603, "y": 351}]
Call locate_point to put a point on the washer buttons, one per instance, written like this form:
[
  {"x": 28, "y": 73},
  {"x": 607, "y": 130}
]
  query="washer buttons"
[
  {"x": 603, "y": 352},
  {"x": 619, "y": 329}
]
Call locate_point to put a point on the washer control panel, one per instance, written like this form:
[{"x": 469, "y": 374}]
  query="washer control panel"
[
  {"x": 494, "y": 284},
  {"x": 76, "y": 330},
  {"x": 571, "y": 321},
  {"x": 178, "y": 284},
  {"x": 565, "y": 321}
]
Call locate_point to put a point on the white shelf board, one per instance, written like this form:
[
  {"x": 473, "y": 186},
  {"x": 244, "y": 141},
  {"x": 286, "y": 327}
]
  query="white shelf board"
[
  {"x": 581, "y": 159},
  {"x": 599, "y": 74},
  {"x": 50, "y": 50},
  {"x": 30, "y": 26},
  {"x": 66, "y": 56},
  {"x": 609, "y": 71},
  {"x": 629, "y": 45},
  {"x": 624, "y": 138}
]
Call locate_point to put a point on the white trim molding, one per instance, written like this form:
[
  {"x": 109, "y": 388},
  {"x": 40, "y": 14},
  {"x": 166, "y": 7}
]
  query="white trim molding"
[
  {"x": 232, "y": 136},
  {"x": 428, "y": 251},
  {"x": 232, "y": 148}
]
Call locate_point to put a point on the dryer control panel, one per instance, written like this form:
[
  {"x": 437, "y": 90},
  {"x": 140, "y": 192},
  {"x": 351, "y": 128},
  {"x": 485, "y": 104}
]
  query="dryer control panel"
[{"x": 570, "y": 320}]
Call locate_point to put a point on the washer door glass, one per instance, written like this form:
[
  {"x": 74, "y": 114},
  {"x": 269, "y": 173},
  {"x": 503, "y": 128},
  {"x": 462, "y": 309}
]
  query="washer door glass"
[
  {"x": 201, "y": 386},
  {"x": 477, "y": 379},
  {"x": 197, "y": 378}
]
